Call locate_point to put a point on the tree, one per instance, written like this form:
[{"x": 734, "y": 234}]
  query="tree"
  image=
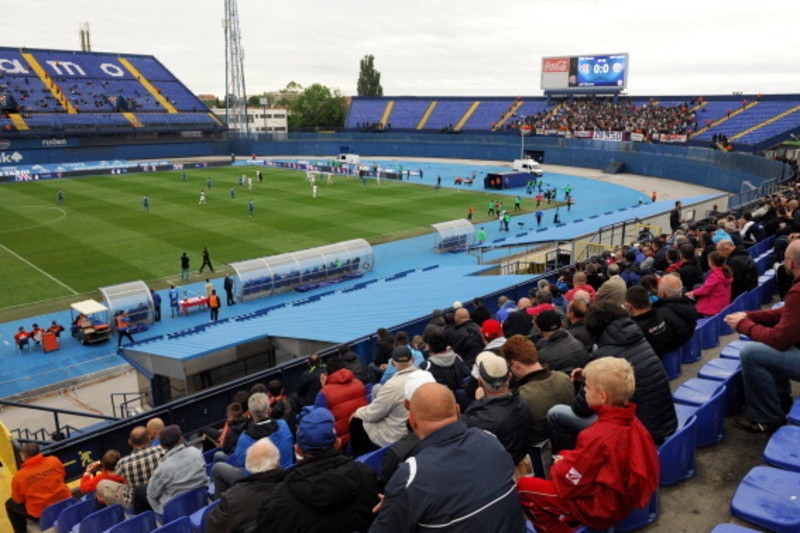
[
  {"x": 318, "y": 106},
  {"x": 369, "y": 79}
]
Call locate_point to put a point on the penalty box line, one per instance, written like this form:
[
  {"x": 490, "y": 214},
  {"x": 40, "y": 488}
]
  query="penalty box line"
[{"x": 12, "y": 252}]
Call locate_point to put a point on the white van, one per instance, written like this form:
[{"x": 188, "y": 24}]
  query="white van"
[
  {"x": 528, "y": 165},
  {"x": 349, "y": 158}
]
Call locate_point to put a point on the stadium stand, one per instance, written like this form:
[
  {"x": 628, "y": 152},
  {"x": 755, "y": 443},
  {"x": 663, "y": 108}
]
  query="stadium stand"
[{"x": 44, "y": 91}]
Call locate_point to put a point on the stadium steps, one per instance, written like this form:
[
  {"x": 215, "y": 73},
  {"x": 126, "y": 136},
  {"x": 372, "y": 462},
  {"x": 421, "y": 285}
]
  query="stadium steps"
[
  {"x": 49, "y": 83},
  {"x": 387, "y": 112},
  {"x": 18, "y": 121},
  {"x": 696, "y": 108},
  {"x": 508, "y": 115},
  {"x": 466, "y": 116},
  {"x": 147, "y": 85},
  {"x": 723, "y": 119},
  {"x": 762, "y": 124},
  {"x": 427, "y": 115},
  {"x": 133, "y": 120}
]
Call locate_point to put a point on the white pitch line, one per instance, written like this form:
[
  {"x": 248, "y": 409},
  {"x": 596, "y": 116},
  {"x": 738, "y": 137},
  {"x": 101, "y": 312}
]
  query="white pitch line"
[{"x": 70, "y": 289}]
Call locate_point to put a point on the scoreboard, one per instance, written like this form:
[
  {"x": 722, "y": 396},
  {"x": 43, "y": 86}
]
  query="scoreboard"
[{"x": 607, "y": 72}]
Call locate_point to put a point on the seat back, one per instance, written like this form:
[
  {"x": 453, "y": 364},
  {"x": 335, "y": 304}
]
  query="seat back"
[
  {"x": 99, "y": 521},
  {"x": 50, "y": 513},
  {"x": 677, "y": 454},
  {"x": 209, "y": 455},
  {"x": 73, "y": 514},
  {"x": 140, "y": 523},
  {"x": 639, "y": 518},
  {"x": 711, "y": 415},
  {"x": 181, "y": 525},
  {"x": 672, "y": 364},
  {"x": 541, "y": 458},
  {"x": 374, "y": 460},
  {"x": 185, "y": 504},
  {"x": 198, "y": 518}
]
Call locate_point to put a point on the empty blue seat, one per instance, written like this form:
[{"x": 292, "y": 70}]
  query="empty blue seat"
[
  {"x": 708, "y": 329},
  {"x": 767, "y": 497},
  {"x": 794, "y": 413},
  {"x": 50, "y": 513},
  {"x": 140, "y": 523},
  {"x": 209, "y": 455},
  {"x": 181, "y": 525},
  {"x": 640, "y": 518},
  {"x": 677, "y": 454},
  {"x": 724, "y": 329},
  {"x": 731, "y": 351},
  {"x": 374, "y": 460},
  {"x": 185, "y": 504},
  {"x": 690, "y": 351},
  {"x": 99, "y": 521},
  {"x": 783, "y": 448},
  {"x": 672, "y": 364},
  {"x": 706, "y": 400},
  {"x": 754, "y": 298},
  {"x": 69, "y": 516},
  {"x": 198, "y": 518},
  {"x": 732, "y": 528},
  {"x": 729, "y": 372}
]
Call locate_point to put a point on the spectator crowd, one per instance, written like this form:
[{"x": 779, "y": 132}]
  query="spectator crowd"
[{"x": 548, "y": 409}]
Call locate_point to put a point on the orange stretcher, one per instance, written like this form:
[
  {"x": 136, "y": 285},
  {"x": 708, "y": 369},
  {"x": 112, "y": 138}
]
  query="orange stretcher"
[{"x": 50, "y": 342}]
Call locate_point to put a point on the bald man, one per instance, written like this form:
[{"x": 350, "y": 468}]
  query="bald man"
[
  {"x": 434, "y": 490},
  {"x": 677, "y": 310},
  {"x": 745, "y": 275},
  {"x": 466, "y": 338},
  {"x": 519, "y": 321},
  {"x": 137, "y": 469},
  {"x": 154, "y": 427},
  {"x": 773, "y": 356}
]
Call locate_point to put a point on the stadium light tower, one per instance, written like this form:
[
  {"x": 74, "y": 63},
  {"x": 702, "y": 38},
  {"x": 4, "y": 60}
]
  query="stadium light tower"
[
  {"x": 235, "y": 95},
  {"x": 86, "y": 43}
]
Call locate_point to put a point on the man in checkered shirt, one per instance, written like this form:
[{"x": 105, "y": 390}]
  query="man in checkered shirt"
[{"x": 136, "y": 468}]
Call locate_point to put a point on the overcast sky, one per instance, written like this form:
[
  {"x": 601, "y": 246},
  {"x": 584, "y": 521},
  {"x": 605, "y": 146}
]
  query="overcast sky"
[{"x": 437, "y": 47}]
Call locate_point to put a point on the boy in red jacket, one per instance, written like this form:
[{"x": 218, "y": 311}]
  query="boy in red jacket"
[{"x": 613, "y": 468}]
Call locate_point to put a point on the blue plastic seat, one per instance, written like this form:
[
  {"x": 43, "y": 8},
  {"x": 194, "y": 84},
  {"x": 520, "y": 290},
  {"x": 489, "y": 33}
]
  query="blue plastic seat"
[
  {"x": 706, "y": 400},
  {"x": 50, "y": 513},
  {"x": 794, "y": 413},
  {"x": 181, "y": 525},
  {"x": 140, "y": 523},
  {"x": 640, "y": 518},
  {"x": 198, "y": 518},
  {"x": 729, "y": 372},
  {"x": 209, "y": 455},
  {"x": 99, "y": 521},
  {"x": 690, "y": 351},
  {"x": 73, "y": 514},
  {"x": 672, "y": 364},
  {"x": 732, "y": 528},
  {"x": 767, "y": 497},
  {"x": 708, "y": 328},
  {"x": 677, "y": 454},
  {"x": 374, "y": 460},
  {"x": 185, "y": 504},
  {"x": 731, "y": 351},
  {"x": 755, "y": 297},
  {"x": 783, "y": 448}
]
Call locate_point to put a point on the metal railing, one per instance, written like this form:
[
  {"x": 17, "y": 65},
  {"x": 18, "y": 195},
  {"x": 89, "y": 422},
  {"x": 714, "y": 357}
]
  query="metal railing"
[
  {"x": 42, "y": 434},
  {"x": 127, "y": 399}
]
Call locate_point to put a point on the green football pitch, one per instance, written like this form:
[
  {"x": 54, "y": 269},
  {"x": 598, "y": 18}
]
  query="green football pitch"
[{"x": 101, "y": 235}]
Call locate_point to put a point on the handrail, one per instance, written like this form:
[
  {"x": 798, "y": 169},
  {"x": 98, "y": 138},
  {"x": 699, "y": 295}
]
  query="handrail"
[{"x": 55, "y": 411}]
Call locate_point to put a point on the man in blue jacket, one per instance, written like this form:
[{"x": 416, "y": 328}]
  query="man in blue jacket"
[{"x": 433, "y": 490}]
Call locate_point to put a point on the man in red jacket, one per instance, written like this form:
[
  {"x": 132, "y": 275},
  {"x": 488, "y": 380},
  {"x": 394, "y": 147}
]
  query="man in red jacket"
[
  {"x": 341, "y": 394},
  {"x": 773, "y": 358},
  {"x": 613, "y": 469},
  {"x": 38, "y": 483}
]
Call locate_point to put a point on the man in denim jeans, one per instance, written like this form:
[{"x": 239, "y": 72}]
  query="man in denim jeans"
[{"x": 773, "y": 358}]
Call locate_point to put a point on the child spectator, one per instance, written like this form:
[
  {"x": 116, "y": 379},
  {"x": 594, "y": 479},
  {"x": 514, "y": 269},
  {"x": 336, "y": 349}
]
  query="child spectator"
[
  {"x": 107, "y": 466},
  {"x": 715, "y": 294},
  {"x": 613, "y": 469}
]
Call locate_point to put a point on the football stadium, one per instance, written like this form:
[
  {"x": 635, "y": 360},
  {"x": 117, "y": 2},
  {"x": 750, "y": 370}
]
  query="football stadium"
[{"x": 564, "y": 312}]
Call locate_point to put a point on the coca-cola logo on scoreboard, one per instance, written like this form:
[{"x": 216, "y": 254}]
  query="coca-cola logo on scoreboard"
[{"x": 558, "y": 64}]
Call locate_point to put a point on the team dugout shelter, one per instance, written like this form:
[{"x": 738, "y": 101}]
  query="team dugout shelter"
[
  {"x": 324, "y": 265},
  {"x": 133, "y": 297},
  {"x": 453, "y": 235}
]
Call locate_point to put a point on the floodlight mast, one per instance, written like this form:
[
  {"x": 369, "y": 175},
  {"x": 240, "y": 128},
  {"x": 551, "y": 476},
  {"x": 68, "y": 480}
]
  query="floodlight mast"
[{"x": 235, "y": 95}]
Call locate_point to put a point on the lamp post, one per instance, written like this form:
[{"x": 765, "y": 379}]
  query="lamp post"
[{"x": 522, "y": 137}]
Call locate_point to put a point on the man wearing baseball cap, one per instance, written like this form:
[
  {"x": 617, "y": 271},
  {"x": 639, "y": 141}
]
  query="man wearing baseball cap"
[
  {"x": 557, "y": 348},
  {"x": 384, "y": 420},
  {"x": 326, "y": 491}
]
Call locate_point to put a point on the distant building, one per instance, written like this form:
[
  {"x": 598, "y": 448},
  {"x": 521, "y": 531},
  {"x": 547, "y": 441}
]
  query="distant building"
[{"x": 263, "y": 119}]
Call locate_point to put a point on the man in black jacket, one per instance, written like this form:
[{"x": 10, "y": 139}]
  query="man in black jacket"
[
  {"x": 690, "y": 271},
  {"x": 382, "y": 355},
  {"x": 326, "y": 491},
  {"x": 557, "y": 348},
  {"x": 238, "y": 509},
  {"x": 519, "y": 322},
  {"x": 480, "y": 314},
  {"x": 354, "y": 363},
  {"x": 466, "y": 339},
  {"x": 500, "y": 411},
  {"x": 618, "y": 336},
  {"x": 310, "y": 383},
  {"x": 637, "y": 302},
  {"x": 677, "y": 310},
  {"x": 745, "y": 275}
]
